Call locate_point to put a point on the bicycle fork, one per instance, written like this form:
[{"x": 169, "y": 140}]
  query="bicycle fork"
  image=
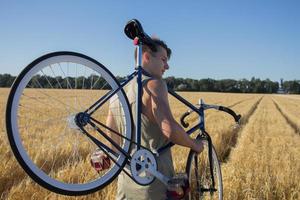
[{"x": 205, "y": 136}]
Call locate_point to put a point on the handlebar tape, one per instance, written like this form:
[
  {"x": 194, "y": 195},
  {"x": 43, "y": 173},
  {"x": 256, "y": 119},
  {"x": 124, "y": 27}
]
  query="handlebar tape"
[
  {"x": 183, "y": 123},
  {"x": 231, "y": 112}
]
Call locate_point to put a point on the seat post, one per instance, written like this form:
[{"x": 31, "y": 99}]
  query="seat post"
[
  {"x": 139, "y": 55},
  {"x": 139, "y": 94}
]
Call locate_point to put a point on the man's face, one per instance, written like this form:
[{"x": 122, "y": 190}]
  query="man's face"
[{"x": 157, "y": 63}]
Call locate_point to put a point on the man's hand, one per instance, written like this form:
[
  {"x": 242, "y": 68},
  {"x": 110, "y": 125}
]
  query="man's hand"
[
  {"x": 199, "y": 145},
  {"x": 100, "y": 161}
]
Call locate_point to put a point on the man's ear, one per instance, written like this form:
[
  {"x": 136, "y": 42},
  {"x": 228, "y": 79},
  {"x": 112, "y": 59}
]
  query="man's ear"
[{"x": 146, "y": 57}]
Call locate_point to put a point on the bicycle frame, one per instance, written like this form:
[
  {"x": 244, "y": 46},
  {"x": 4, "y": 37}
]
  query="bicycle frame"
[{"x": 139, "y": 71}]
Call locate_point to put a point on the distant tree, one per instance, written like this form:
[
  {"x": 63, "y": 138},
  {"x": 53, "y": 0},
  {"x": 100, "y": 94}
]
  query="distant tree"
[
  {"x": 292, "y": 87},
  {"x": 244, "y": 86},
  {"x": 182, "y": 87},
  {"x": 171, "y": 81},
  {"x": 271, "y": 87},
  {"x": 178, "y": 81},
  {"x": 207, "y": 85},
  {"x": 6, "y": 80},
  {"x": 227, "y": 85},
  {"x": 254, "y": 85}
]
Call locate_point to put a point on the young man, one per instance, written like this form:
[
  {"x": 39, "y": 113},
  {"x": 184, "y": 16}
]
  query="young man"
[{"x": 158, "y": 124}]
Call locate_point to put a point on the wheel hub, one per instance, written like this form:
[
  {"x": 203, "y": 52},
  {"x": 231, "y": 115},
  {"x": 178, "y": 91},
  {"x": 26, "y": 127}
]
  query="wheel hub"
[{"x": 81, "y": 119}]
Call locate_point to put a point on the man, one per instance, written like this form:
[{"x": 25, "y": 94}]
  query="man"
[{"x": 158, "y": 125}]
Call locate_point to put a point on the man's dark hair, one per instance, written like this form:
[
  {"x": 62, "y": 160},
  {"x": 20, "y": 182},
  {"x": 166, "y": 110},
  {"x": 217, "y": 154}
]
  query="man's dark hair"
[{"x": 157, "y": 43}]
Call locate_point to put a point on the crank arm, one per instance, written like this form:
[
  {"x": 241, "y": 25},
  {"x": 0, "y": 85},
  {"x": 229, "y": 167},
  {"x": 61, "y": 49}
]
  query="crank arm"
[{"x": 164, "y": 179}]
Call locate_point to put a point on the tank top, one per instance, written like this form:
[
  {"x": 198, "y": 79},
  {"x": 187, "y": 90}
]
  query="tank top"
[{"x": 151, "y": 138}]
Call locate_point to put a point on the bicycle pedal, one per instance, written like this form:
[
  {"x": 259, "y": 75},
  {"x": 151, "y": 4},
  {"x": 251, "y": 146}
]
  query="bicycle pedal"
[{"x": 178, "y": 186}]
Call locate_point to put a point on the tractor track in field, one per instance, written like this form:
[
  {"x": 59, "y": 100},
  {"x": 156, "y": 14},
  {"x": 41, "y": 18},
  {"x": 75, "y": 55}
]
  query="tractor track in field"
[
  {"x": 288, "y": 120},
  {"x": 239, "y": 102},
  {"x": 236, "y": 132}
]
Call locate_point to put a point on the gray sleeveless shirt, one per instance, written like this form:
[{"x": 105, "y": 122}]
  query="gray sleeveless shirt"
[{"x": 151, "y": 138}]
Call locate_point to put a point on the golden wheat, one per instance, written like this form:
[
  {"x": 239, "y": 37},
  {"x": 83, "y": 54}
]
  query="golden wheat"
[
  {"x": 266, "y": 143},
  {"x": 290, "y": 108},
  {"x": 266, "y": 162}
]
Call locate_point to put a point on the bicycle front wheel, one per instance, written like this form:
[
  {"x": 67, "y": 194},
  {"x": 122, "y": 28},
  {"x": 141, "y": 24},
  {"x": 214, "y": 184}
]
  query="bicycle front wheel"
[
  {"x": 47, "y": 102},
  {"x": 199, "y": 174}
]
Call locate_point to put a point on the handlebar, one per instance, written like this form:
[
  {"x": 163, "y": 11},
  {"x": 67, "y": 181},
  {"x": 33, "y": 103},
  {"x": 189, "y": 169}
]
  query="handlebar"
[
  {"x": 236, "y": 117},
  {"x": 183, "y": 123}
]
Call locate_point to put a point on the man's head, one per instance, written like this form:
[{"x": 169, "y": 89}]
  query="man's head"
[{"x": 156, "y": 62}]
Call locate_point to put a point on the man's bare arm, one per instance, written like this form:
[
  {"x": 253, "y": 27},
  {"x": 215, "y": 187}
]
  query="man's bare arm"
[
  {"x": 110, "y": 122},
  {"x": 163, "y": 116}
]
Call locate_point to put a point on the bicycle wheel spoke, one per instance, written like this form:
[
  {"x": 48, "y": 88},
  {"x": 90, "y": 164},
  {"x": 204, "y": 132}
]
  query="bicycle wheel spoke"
[
  {"x": 50, "y": 105},
  {"x": 91, "y": 82},
  {"x": 55, "y": 76},
  {"x": 83, "y": 77},
  {"x": 98, "y": 103},
  {"x": 43, "y": 121},
  {"x": 96, "y": 82},
  {"x": 35, "y": 110},
  {"x": 68, "y": 84},
  {"x": 44, "y": 93},
  {"x": 47, "y": 79},
  {"x": 76, "y": 77}
]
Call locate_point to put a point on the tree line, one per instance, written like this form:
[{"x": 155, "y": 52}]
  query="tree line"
[{"x": 254, "y": 85}]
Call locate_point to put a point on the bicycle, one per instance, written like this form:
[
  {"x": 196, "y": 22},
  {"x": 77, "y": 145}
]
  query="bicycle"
[{"x": 54, "y": 120}]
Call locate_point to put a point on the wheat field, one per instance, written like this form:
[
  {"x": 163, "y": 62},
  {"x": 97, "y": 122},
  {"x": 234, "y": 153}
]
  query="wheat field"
[{"x": 260, "y": 159}]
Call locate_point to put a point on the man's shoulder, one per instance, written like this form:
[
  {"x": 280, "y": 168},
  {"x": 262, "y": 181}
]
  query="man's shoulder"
[{"x": 156, "y": 84}]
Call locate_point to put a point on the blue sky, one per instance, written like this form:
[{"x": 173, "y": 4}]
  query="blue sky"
[{"x": 210, "y": 39}]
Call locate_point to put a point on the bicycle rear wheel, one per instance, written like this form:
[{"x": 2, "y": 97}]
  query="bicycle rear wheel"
[
  {"x": 199, "y": 174},
  {"x": 42, "y": 121}
]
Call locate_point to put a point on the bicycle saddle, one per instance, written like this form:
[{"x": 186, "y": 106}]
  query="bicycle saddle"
[{"x": 134, "y": 29}]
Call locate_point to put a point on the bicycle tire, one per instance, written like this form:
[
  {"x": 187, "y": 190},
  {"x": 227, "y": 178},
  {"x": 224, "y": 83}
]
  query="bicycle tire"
[
  {"x": 30, "y": 142},
  {"x": 203, "y": 175}
]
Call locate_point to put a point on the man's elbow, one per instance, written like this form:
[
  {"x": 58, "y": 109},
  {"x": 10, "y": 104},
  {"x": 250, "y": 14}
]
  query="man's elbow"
[{"x": 169, "y": 129}]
